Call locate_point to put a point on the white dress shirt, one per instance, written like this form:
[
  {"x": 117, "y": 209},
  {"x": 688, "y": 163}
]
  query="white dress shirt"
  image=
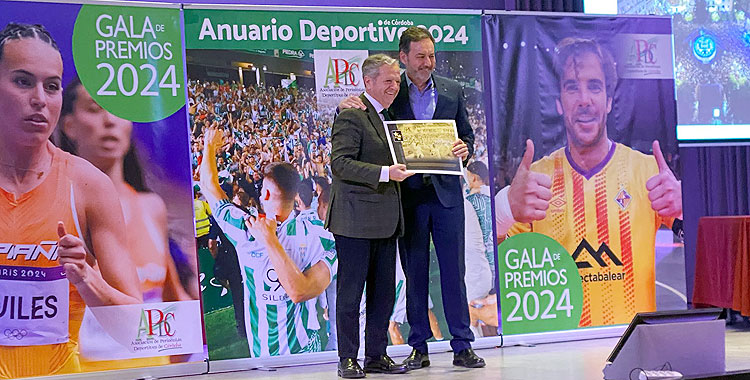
[{"x": 384, "y": 176}]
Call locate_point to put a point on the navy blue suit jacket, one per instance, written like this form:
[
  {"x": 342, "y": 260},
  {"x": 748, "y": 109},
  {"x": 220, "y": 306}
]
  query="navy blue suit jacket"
[{"x": 450, "y": 105}]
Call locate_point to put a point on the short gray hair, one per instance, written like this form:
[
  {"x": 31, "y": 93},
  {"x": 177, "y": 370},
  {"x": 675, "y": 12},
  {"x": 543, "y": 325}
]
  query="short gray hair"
[{"x": 371, "y": 66}]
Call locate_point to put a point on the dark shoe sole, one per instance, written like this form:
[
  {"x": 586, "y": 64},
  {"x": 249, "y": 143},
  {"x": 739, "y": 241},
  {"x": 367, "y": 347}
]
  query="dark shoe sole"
[
  {"x": 424, "y": 364},
  {"x": 385, "y": 371},
  {"x": 460, "y": 363},
  {"x": 352, "y": 376}
]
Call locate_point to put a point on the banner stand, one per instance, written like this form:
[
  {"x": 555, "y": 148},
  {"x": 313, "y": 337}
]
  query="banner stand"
[
  {"x": 563, "y": 336},
  {"x": 516, "y": 39},
  {"x": 216, "y": 366},
  {"x": 332, "y": 356},
  {"x": 180, "y": 369},
  {"x": 166, "y": 325}
]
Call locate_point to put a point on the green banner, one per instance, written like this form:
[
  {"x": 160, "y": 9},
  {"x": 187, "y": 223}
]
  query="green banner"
[
  {"x": 540, "y": 289},
  {"x": 128, "y": 57},
  {"x": 305, "y": 55},
  {"x": 250, "y": 30}
]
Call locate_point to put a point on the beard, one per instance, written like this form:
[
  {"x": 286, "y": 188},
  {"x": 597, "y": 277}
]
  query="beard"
[{"x": 577, "y": 140}]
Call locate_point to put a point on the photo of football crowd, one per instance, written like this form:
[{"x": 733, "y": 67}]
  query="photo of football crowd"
[{"x": 257, "y": 113}]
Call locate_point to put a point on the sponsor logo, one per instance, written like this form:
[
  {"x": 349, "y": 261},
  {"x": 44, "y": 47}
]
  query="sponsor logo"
[
  {"x": 644, "y": 56},
  {"x": 644, "y": 51},
  {"x": 157, "y": 329},
  {"x": 273, "y": 291},
  {"x": 30, "y": 252},
  {"x": 342, "y": 72},
  {"x": 272, "y": 282},
  {"x": 293, "y": 53},
  {"x": 557, "y": 204},
  {"x": 595, "y": 254},
  {"x": 156, "y": 323},
  {"x": 602, "y": 277}
]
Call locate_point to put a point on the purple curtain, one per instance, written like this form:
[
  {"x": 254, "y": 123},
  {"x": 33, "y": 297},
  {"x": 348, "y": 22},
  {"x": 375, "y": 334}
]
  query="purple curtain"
[
  {"x": 550, "y": 5},
  {"x": 715, "y": 182},
  {"x": 450, "y": 4}
]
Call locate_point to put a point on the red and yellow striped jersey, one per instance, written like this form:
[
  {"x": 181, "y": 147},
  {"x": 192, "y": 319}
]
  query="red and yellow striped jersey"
[{"x": 604, "y": 219}]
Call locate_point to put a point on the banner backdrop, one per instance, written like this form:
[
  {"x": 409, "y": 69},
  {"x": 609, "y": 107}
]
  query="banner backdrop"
[
  {"x": 115, "y": 192},
  {"x": 270, "y": 80},
  {"x": 555, "y": 82}
]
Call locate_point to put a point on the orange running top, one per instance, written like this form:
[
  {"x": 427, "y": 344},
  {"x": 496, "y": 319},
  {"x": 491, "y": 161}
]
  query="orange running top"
[{"x": 28, "y": 239}]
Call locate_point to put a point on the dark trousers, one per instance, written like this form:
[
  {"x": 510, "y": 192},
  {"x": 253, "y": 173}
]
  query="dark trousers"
[
  {"x": 446, "y": 224},
  {"x": 371, "y": 261}
]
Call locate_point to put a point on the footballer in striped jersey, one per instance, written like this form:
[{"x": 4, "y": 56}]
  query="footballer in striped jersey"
[{"x": 285, "y": 261}]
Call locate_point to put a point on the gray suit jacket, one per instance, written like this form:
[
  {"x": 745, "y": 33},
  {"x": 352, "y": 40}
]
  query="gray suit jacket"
[{"x": 361, "y": 206}]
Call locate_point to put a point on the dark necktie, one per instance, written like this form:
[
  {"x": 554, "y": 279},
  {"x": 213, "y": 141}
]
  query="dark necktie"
[{"x": 386, "y": 117}]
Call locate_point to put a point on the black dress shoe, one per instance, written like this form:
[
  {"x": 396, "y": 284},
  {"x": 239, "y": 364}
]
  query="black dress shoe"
[
  {"x": 350, "y": 369},
  {"x": 416, "y": 360},
  {"x": 467, "y": 358},
  {"x": 383, "y": 364}
]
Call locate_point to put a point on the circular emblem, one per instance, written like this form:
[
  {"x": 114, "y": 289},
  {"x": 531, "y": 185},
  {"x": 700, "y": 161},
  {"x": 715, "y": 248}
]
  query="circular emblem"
[{"x": 704, "y": 48}]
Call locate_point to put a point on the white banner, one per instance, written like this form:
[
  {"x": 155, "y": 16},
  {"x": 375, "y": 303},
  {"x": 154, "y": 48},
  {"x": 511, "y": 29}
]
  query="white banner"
[
  {"x": 644, "y": 56},
  {"x": 153, "y": 329},
  {"x": 338, "y": 74}
]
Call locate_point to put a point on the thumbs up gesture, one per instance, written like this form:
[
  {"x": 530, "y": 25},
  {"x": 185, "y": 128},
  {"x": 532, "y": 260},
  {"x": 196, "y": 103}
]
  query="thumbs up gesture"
[
  {"x": 529, "y": 192},
  {"x": 664, "y": 190},
  {"x": 72, "y": 255}
]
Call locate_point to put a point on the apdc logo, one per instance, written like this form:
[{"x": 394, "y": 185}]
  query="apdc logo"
[
  {"x": 342, "y": 71},
  {"x": 156, "y": 323},
  {"x": 596, "y": 254},
  {"x": 644, "y": 51}
]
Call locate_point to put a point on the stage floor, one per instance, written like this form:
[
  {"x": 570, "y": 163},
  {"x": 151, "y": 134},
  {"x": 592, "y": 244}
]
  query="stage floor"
[{"x": 559, "y": 361}]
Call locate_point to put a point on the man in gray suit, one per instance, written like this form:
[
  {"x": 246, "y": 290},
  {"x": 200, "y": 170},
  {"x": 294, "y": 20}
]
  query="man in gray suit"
[{"x": 366, "y": 218}]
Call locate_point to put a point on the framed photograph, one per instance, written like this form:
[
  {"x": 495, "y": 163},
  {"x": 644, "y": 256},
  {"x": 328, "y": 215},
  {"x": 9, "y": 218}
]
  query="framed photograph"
[{"x": 424, "y": 146}]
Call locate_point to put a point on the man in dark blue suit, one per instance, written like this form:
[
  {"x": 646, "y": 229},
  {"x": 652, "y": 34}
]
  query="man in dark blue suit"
[{"x": 432, "y": 204}]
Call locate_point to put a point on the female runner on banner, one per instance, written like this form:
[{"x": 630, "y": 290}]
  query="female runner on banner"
[
  {"x": 91, "y": 132},
  {"x": 57, "y": 216}
]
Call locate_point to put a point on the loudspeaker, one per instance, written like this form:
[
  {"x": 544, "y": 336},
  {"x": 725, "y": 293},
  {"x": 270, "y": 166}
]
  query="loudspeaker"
[{"x": 689, "y": 341}]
